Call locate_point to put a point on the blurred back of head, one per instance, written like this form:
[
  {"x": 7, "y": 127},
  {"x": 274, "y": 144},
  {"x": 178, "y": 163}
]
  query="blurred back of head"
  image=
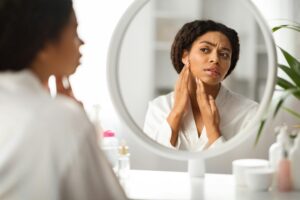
[{"x": 26, "y": 26}]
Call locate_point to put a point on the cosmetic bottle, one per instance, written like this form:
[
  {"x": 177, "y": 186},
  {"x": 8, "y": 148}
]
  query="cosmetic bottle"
[
  {"x": 109, "y": 145},
  {"x": 284, "y": 181},
  {"x": 295, "y": 163},
  {"x": 124, "y": 161},
  {"x": 276, "y": 149}
]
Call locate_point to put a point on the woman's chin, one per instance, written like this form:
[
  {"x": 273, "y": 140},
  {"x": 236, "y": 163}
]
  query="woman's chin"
[
  {"x": 73, "y": 69},
  {"x": 211, "y": 82}
]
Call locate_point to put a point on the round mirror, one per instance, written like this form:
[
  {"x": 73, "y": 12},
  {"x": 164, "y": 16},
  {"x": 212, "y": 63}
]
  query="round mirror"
[{"x": 140, "y": 67}]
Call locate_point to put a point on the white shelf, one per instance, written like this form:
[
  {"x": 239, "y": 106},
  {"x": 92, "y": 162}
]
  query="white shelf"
[
  {"x": 143, "y": 184},
  {"x": 168, "y": 17}
]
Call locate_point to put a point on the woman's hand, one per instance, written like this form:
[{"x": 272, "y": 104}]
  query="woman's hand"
[
  {"x": 209, "y": 112},
  {"x": 181, "y": 96},
  {"x": 181, "y": 99},
  {"x": 63, "y": 87}
]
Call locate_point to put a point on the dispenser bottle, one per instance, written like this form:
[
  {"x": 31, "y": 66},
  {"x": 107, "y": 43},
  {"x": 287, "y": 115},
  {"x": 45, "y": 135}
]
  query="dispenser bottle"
[
  {"x": 109, "y": 145},
  {"x": 284, "y": 179},
  {"x": 295, "y": 163},
  {"x": 276, "y": 150}
]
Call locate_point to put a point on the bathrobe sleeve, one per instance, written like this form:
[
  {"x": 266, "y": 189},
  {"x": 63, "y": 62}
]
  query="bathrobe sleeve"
[{"x": 156, "y": 125}]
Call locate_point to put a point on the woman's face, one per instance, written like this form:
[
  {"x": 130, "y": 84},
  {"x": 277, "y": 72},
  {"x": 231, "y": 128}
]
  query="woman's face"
[
  {"x": 209, "y": 57},
  {"x": 64, "y": 54}
]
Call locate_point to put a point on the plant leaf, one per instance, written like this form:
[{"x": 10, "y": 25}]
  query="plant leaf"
[
  {"x": 294, "y": 91},
  {"x": 292, "y": 112},
  {"x": 279, "y": 104},
  {"x": 276, "y": 28},
  {"x": 262, "y": 124},
  {"x": 293, "y": 27},
  {"x": 292, "y": 61},
  {"x": 291, "y": 74},
  {"x": 284, "y": 83}
]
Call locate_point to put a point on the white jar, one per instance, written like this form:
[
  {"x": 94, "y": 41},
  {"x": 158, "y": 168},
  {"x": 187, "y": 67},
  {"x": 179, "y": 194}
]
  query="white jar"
[
  {"x": 295, "y": 163},
  {"x": 259, "y": 179},
  {"x": 240, "y": 167}
]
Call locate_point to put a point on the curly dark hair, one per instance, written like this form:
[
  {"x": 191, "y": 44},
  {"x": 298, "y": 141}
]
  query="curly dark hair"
[
  {"x": 192, "y": 30},
  {"x": 26, "y": 26}
]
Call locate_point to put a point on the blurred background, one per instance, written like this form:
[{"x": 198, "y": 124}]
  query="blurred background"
[{"x": 151, "y": 68}]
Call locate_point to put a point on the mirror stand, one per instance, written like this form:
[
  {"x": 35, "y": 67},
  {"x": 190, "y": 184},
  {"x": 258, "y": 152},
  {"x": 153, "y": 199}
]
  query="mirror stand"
[{"x": 196, "y": 167}]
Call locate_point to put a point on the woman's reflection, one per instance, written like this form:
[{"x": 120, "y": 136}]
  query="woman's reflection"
[{"x": 201, "y": 112}]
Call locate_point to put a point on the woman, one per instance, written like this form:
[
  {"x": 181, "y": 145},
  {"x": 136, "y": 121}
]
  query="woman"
[
  {"x": 48, "y": 147},
  {"x": 201, "y": 112}
]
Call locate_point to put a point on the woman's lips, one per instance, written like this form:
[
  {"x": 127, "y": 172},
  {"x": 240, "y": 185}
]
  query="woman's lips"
[
  {"x": 212, "y": 72},
  {"x": 79, "y": 59}
]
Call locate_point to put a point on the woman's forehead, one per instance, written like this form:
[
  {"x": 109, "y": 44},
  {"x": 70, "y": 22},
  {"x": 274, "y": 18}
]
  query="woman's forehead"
[{"x": 214, "y": 38}]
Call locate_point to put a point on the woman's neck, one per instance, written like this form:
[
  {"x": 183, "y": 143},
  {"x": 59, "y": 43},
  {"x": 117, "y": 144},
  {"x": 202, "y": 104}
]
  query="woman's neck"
[
  {"x": 212, "y": 90},
  {"x": 41, "y": 71}
]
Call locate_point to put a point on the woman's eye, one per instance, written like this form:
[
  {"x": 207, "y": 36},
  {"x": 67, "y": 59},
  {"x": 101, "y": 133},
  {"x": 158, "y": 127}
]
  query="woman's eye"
[
  {"x": 204, "y": 50},
  {"x": 224, "y": 55},
  {"x": 76, "y": 34}
]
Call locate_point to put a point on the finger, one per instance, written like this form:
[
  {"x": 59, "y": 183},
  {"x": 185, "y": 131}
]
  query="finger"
[
  {"x": 214, "y": 109},
  {"x": 201, "y": 86},
  {"x": 46, "y": 85},
  {"x": 180, "y": 77},
  {"x": 183, "y": 70},
  {"x": 59, "y": 85},
  {"x": 205, "y": 103},
  {"x": 63, "y": 86},
  {"x": 198, "y": 91},
  {"x": 212, "y": 104},
  {"x": 201, "y": 94},
  {"x": 186, "y": 76},
  {"x": 188, "y": 65},
  {"x": 217, "y": 113}
]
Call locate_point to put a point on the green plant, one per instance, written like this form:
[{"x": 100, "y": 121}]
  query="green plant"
[{"x": 289, "y": 86}]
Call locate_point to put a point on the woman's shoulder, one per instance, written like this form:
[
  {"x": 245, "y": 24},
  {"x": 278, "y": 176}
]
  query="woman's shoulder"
[
  {"x": 163, "y": 99},
  {"x": 65, "y": 109},
  {"x": 62, "y": 118},
  {"x": 238, "y": 100},
  {"x": 164, "y": 102}
]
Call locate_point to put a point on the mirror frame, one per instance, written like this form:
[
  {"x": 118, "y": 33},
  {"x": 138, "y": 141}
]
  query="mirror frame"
[{"x": 139, "y": 135}]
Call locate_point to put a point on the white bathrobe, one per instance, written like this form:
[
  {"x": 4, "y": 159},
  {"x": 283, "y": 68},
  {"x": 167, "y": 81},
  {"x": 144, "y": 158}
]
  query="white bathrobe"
[
  {"x": 48, "y": 147},
  {"x": 235, "y": 113}
]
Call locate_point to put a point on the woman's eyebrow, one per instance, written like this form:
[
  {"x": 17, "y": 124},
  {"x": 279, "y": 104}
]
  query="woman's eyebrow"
[
  {"x": 207, "y": 42},
  {"x": 214, "y": 45}
]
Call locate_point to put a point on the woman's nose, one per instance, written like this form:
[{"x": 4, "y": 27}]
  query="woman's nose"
[
  {"x": 81, "y": 41},
  {"x": 214, "y": 57}
]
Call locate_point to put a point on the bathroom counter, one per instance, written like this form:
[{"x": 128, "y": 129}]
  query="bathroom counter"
[{"x": 163, "y": 185}]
